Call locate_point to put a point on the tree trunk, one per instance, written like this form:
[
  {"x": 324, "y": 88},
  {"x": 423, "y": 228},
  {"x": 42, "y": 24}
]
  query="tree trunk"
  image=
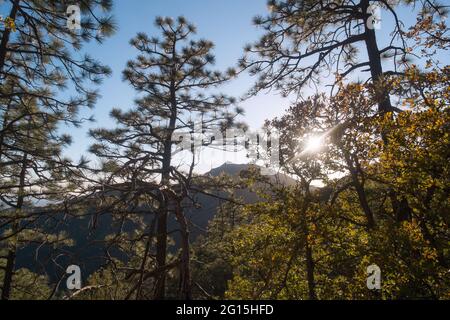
[
  {"x": 6, "y": 35},
  {"x": 363, "y": 202},
  {"x": 376, "y": 69},
  {"x": 310, "y": 272},
  {"x": 11, "y": 259},
  {"x": 3, "y": 131},
  {"x": 161, "y": 239},
  {"x": 308, "y": 249},
  {"x": 361, "y": 192},
  {"x": 8, "y": 277},
  {"x": 384, "y": 103},
  {"x": 161, "y": 252},
  {"x": 185, "y": 271}
]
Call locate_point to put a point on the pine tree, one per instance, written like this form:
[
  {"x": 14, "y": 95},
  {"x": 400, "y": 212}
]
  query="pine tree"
[
  {"x": 39, "y": 65},
  {"x": 303, "y": 38},
  {"x": 172, "y": 76},
  {"x": 38, "y": 54},
  {"x": 32, "y": 171}
]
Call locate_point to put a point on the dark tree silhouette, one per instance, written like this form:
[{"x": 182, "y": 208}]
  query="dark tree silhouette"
[
  {"x": 173, "y": 79},
  {"x": 38, "y": 62}
]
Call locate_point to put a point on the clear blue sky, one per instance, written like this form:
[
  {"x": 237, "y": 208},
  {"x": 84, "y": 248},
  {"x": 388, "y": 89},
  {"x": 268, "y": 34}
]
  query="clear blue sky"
[{"x": 228, "y": 23}]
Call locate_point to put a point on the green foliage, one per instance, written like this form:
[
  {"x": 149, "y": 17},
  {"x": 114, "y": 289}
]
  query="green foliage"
[
  {"x": 376, "y": 189},
  {"x": 29, "y": 286},
  {"x": 406, "y": 154}
]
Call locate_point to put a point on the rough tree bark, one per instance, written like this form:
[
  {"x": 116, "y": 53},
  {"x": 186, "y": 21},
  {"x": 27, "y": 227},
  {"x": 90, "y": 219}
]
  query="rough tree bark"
[{"x": 6, "y": 35}]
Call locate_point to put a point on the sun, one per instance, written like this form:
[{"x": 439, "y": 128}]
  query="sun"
[{"x": 314, "y": 144}]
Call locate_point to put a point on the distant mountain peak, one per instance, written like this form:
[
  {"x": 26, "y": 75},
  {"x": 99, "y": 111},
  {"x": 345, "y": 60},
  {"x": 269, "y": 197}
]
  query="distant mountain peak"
[
  {"x": 229, "y": 168},
  {"x": 233, "y": 169}
]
